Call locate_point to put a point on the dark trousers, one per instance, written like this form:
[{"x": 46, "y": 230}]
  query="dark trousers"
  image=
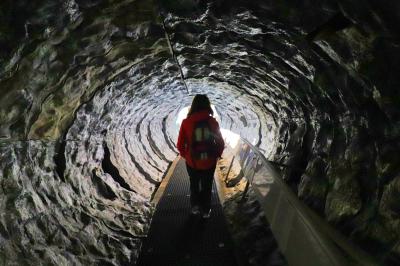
[{"x": 200, "y": 187}]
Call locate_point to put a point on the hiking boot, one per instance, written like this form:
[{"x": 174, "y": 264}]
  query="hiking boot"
[
  {"x": 206, "y": 214},
  {"x": 195, "y": 210}
]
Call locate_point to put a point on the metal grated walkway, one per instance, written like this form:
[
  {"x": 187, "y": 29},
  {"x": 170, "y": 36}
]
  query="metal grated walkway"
[{"x": 178, "y": 239}]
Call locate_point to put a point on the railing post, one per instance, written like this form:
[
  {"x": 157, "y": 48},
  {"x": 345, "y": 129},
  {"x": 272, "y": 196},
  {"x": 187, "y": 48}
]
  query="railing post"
[
  {"x": 229, "y": 169},
  {"x": 250, "y": 179},
  {"x": 245, "y": 191}
]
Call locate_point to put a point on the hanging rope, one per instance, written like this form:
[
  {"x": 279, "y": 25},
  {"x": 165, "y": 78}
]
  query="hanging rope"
[{"x": 174, "y": 55}]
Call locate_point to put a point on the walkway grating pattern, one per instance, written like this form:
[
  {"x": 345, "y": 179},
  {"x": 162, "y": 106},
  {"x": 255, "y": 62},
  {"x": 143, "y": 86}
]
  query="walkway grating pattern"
[{"x": 178, "y": 239}]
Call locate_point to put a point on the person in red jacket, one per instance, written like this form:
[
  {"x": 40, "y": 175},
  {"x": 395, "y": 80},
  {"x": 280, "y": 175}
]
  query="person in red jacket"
[{"x": 201, "y": 144}]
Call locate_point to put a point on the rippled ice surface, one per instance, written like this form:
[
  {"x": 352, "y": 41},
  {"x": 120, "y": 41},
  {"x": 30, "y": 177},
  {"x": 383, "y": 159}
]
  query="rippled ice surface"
[{"x": 90, "y": 94}]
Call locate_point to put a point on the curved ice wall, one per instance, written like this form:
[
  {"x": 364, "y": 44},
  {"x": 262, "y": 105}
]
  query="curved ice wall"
[{"x": 91, "y": 89}]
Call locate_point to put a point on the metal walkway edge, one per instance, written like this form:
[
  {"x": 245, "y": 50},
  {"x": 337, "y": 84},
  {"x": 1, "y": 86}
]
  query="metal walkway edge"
[{"x": 178, "y": 239}]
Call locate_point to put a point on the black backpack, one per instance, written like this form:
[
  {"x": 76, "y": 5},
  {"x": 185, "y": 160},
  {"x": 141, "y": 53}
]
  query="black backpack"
[{"x": 203, "y": 142}]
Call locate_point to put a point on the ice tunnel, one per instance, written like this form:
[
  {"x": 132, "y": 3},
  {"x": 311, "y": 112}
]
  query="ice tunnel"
[{"x": 91, "y": 93}]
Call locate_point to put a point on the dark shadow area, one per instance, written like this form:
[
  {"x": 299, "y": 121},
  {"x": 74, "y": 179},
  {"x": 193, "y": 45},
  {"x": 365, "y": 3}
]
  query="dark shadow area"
[
  {"x": 251, "y": 232},
  {"x": 59, "y": 160},
  {"x": 336, "y": 23},
  {"x": 191, "y": 231},
  {"x": 102, "y": 187},
  {"x": 109, "y": 168}
]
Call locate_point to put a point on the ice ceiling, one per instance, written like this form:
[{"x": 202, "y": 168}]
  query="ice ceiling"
[{"x": 91, "y": 91}]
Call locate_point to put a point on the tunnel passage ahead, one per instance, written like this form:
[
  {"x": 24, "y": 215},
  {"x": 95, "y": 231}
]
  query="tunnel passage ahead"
[
  {"x": 90, "y": 93},
  {"x": 178, "y": 238}
]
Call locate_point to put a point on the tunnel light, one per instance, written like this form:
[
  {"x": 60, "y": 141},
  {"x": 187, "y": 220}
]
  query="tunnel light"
[
  {"x": 182, "y": 115},
  {"x": 230, "y": 137}
]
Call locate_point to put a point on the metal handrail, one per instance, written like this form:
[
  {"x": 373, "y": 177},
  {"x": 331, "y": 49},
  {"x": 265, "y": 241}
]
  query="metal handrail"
[{"x": 303, "y": 237}]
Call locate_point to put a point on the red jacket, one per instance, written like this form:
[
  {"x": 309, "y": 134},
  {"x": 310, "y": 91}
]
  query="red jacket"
[{"x": 185, "y": 139}]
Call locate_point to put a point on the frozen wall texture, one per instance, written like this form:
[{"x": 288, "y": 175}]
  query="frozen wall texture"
[{"x": 90, "y": 91}]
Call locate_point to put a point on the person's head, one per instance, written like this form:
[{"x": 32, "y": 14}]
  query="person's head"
[{"x": 200, "y": 103}]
